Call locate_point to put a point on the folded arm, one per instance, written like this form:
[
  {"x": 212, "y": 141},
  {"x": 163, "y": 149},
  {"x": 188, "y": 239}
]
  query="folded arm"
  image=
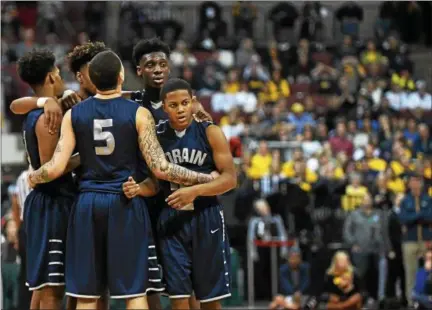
[
  {"x": 59, "y": 161},
  {"x": 155, "y": 157}
]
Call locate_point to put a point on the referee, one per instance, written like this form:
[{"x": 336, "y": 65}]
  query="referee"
[{"x": 22, "y": 191}]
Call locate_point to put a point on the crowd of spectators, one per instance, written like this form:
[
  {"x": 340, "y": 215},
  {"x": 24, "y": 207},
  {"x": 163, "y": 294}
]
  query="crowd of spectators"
[{"x": 333, "y": 139}]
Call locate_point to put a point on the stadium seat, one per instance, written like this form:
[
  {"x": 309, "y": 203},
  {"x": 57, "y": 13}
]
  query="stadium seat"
[
  {"x": 300, "y": 88},
  {"x": 202, "y": 55},
  {"x": 323, "y": 57}
]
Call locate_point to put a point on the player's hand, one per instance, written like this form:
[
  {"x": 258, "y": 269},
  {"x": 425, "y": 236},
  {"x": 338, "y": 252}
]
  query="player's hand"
[
  {"x": 69, "y": 99},
  {"x": 53, "y": 115},
  {"x": 29, "y": 181},
  {"x": 131, "y": 188},
  {"x": 182, "y": 197},
  {"x": 202, "y": 116}
]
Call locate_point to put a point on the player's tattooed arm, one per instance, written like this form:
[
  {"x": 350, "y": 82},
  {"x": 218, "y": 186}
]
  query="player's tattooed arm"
[
  {"x": 63, "y": 151},
  {"x": 155, "y": 157},
  {"x": 226, "y": 181}
]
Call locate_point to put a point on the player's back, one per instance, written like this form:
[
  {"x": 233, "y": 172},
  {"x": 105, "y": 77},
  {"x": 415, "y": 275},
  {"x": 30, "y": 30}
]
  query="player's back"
[
  {"x": 63, "y": 185},
  {"x": 190, "y": 149},
  {"x": 107, "y": 140}
]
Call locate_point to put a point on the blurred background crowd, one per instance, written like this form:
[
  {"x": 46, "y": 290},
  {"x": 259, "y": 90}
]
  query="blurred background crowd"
[{"x": 328, "y": 113}]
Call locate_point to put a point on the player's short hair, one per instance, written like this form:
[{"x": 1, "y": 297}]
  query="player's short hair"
[
  {"x": 148, "y": 46},
  {"x": 173, "y": 85},
  {"x": 34, "y": 66},
  {"x": 82, "y": 54},
  {"x": 104, "y": 70}
]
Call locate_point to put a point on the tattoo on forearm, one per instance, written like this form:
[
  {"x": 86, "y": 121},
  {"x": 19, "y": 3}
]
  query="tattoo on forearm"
[
  {"x": 41, "y": 175},
  {"x": 155, "y": 158}
]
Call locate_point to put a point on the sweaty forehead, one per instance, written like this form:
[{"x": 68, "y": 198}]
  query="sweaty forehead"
[{"x": 156, "y": 56}]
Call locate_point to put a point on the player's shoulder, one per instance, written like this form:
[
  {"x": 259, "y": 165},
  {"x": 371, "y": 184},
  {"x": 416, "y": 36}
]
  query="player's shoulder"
[
  {"x": 204, "y": 124},
  {"x": 129, "y": 102},
  {"x": 33, "y": 116}
]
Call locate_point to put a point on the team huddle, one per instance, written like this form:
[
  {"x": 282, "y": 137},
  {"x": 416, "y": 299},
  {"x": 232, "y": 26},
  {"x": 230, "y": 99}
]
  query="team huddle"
[{"x": 125, "y": 197}]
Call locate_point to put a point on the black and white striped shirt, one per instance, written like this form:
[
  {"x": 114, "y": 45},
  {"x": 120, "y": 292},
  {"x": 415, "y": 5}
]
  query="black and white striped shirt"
[{"x": 22, "y": 190}]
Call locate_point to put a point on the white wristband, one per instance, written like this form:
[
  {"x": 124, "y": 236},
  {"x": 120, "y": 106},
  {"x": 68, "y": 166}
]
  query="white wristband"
[
  {"x": 67, "y": 92},
  {"x": 41, "y": 102}
]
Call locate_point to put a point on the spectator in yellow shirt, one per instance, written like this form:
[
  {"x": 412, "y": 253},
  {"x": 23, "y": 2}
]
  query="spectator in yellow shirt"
[
  {"x": 371, "y": 55},
  {"x": 395, "y": 184},
  {"x": 260, "y": 162},
  {"x": 277, "y": 87},
  {"x": 404, "y": 80},
  {"x": 354, "y": 193},
  {"x": 232, "y": 83}
]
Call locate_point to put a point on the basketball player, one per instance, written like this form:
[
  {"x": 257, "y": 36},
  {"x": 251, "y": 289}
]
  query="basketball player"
[
  {"x": 151, "y": 57},
  {"x": 107, "y": 237},
  {"x": 47, "y": 207},
  {"x": 193, "y": 239}
]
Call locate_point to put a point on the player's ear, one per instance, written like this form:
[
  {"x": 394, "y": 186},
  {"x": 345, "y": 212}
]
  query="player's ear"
[
  {"x": 78, "y": 76},
  {"x": 121, "y": 77},
  {"x": 139, "y": 71},
  {"x": 194, "y": 99},
  {"x": 50, "y": 78}
]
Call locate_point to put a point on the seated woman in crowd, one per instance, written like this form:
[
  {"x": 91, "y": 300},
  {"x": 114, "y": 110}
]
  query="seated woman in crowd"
[
  {"x": 342, "y": 285},
  {"x": 293, "y": 282},
  {"x": 422, "y": 292}
]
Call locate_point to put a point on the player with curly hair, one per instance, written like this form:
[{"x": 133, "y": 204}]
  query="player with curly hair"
[
  {"x": 47, "y": 207},
  {"x": 53, "y": 108}
]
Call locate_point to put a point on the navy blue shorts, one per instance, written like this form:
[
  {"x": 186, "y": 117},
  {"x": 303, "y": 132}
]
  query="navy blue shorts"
[
  {"x": 110, "y": 247},
  {"x": 45, "y": 222},
  {"x": 154, "y": 206},
  {"x": 195, "y": 253}
]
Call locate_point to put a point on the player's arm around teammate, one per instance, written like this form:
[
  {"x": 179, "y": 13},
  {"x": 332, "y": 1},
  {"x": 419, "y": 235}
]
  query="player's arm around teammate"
[
  {"x": 59, "y": 161},
  {"x": 53, "y": 108},
  {"x": 224, "y": 164},
  {"x": 155, "y": 157}
]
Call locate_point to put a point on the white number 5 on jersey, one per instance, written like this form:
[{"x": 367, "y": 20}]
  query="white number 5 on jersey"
[{"x": 100, "y": 135}]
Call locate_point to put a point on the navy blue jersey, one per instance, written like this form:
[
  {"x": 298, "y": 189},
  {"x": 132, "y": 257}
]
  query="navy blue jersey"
[
  {"x": 189, "y": 149},
  {"x": 63, "y": 185},
  {"x": 107, "y": 140},
  {"x": 155, "y": 108}
]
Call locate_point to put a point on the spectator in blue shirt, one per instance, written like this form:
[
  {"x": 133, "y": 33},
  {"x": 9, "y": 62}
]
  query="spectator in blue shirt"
[
  {"x": 415, "y": 217},
  {"x": 422, "y": 292},
  {"x": 294, "y": 281},
  {"x": 423, "y": 143},
  {"x": 299, "y": 118}
]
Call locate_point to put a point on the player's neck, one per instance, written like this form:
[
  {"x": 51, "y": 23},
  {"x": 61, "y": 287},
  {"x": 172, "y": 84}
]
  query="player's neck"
[
  {"x": 83, "y": 94},
  {"x": 109, "y": 94},
  {"x": 44, "y": 92},
  {"x": 180, "y": 128},
  {"x": 153, "y": 93}
]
